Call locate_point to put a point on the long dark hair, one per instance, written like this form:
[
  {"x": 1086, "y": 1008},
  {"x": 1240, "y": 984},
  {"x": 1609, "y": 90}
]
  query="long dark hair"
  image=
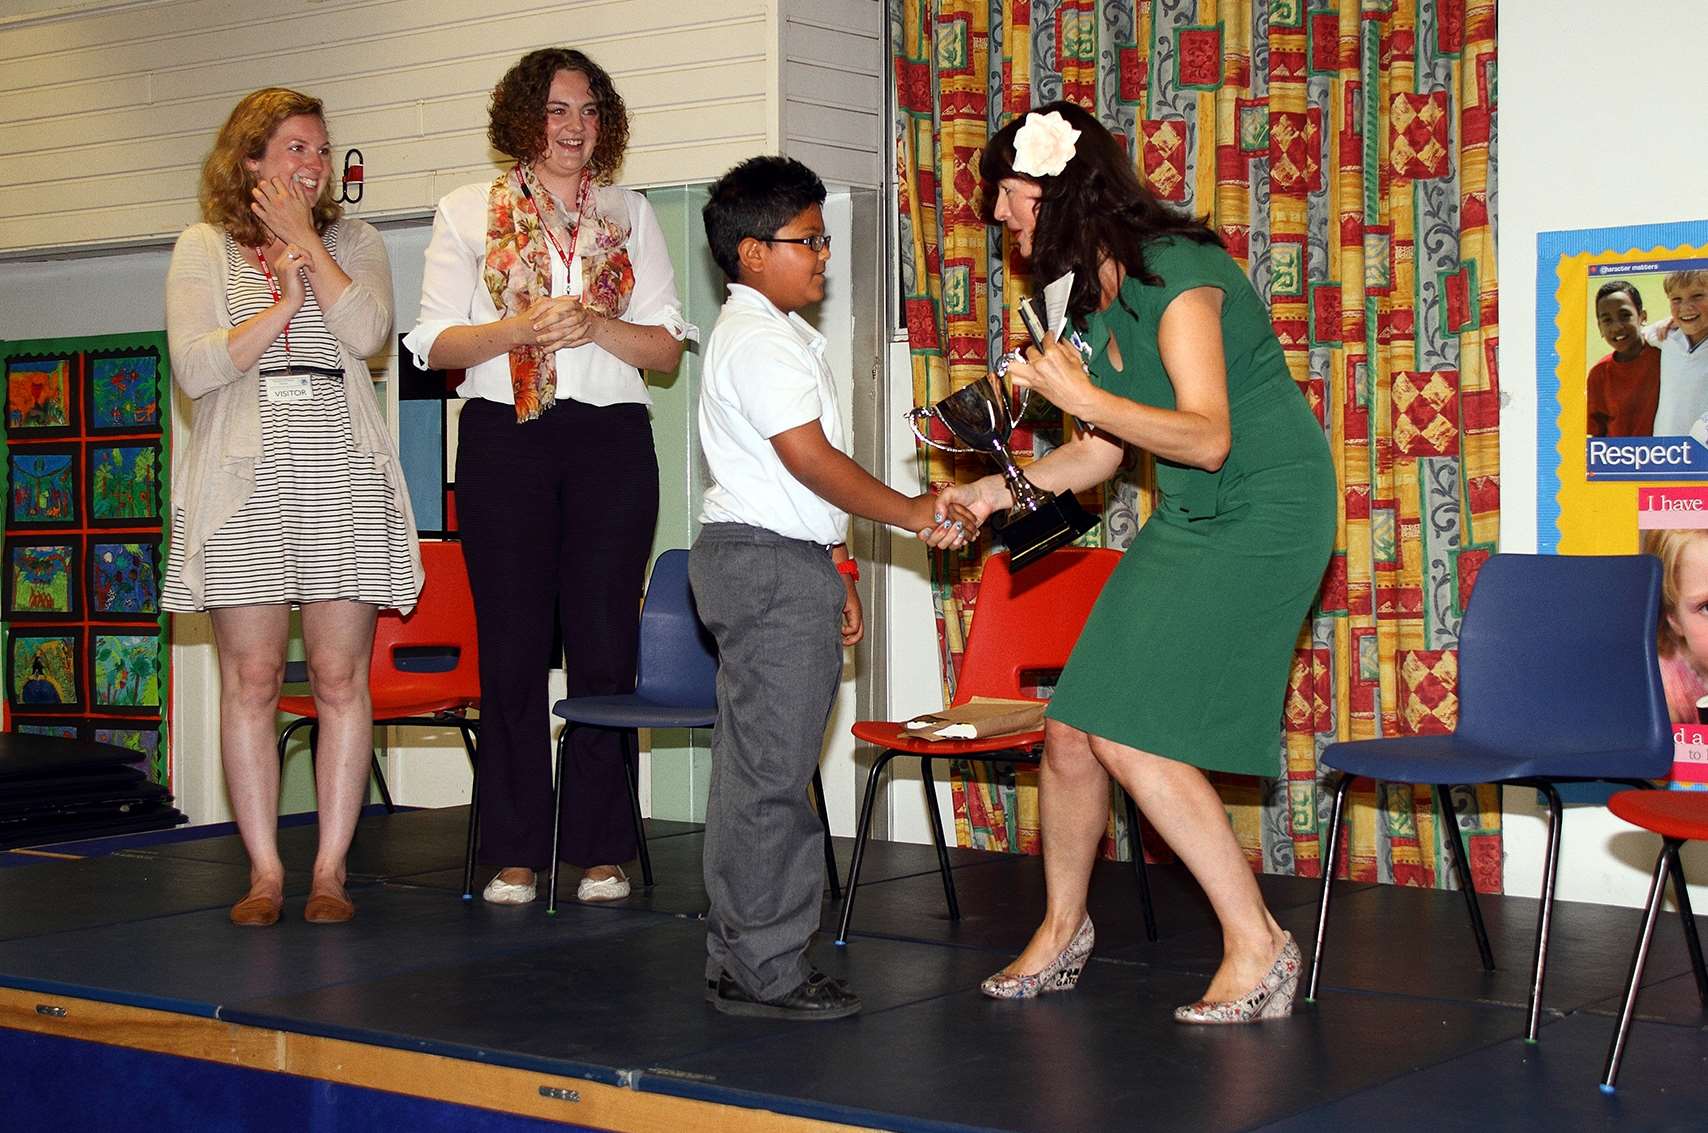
[{"x": 1094, "y": 208}]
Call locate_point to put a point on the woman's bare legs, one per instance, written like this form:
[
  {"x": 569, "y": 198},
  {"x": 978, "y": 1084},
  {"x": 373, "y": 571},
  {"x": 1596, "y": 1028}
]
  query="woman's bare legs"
[
  {"x": 338, "y": 638},
  {"x": 1073, "y": 810},
  {"x": 251, "y": 642},
  {"x": 1185, "y": 810},
  {"x": 1181, "y": 806}
]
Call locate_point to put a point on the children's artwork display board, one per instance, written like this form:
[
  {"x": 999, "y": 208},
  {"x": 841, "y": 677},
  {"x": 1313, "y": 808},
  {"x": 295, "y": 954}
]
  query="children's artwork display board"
[
  {"x": 87, "y": 456},
  {"x": 1622, "y": 431}
]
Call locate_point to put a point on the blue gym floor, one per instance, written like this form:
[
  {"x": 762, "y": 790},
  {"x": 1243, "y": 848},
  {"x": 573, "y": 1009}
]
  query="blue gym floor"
[{"x": 1409, "y": 1032}]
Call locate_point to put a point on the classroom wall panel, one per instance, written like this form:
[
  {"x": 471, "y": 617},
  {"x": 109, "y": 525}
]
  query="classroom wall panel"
[
  {"x": 833, "y": 76},
  {"x": 107, "y": 110}
]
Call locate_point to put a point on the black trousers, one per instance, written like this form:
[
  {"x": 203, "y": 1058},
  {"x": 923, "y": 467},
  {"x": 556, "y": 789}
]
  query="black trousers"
[{"x": 559, "y": 513}]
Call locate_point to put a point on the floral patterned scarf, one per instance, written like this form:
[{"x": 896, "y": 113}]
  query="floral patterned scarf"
[{"x": 517, "y": 269}]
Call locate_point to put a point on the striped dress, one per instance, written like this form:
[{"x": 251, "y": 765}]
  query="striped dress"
[{"x": 321, "y": 524}]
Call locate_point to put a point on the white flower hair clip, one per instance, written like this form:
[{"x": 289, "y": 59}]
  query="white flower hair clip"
[{"x": 1044, "y": 144}]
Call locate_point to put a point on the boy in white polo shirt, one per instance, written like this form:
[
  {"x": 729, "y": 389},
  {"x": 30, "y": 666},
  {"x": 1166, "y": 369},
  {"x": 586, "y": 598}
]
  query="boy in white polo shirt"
[{"x": 774, "y": 583}]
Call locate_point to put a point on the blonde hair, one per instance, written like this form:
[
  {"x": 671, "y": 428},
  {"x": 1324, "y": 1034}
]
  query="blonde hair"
[
  {"x": 1678, "y": 279},
  {"x": 227, "y": 182},
  {"x": 1668, "y": 545}
]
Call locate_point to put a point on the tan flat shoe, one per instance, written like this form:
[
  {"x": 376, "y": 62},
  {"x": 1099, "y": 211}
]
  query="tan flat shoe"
[
  {"x": 328, "y": 908},
  {"x": 258, "y": 911}
]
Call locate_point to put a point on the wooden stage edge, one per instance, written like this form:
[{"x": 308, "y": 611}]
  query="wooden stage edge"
[{"x": 483, "y": 1085}]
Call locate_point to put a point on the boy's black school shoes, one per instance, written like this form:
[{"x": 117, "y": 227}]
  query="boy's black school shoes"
[{"x": 817, "y": 997}]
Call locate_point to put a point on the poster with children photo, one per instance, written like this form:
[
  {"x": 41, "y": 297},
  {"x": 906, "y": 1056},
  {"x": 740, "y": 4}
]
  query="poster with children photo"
[
  {"x": 1672, "y": 525},
  {"x": 1646, "y": 385},
  {"x": 1622, "y": 380}
]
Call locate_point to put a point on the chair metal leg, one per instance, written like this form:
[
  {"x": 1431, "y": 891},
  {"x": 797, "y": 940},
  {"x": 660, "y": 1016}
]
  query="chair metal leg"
[
  {"x": 862, "y": 832},
  {"x": 1462, "y": 867},
  {"x": 1136, "y": 847},
  {"x": 288, "y": 731},
  {"x": 631, "y": 771},
  {"x": 1544, "y": 921},
  {"x": 937, "y": 837},
  {"x": 824, "y": 821},
  {"x": 1639, "y": 958},
  {"x": 474, "y": 812},
  {"x": 557, "y": 809},
  {"x": 1328, "y": 859},
  {"x": 1692, "y": 941},
  {"x": 379, "y": 781}
]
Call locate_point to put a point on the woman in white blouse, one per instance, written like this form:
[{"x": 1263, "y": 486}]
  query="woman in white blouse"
[{"x": 552, "y": 290}]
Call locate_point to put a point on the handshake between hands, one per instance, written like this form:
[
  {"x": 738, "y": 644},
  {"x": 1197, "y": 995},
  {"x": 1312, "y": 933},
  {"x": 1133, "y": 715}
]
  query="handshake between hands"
[{"x": 944, "y": 524}]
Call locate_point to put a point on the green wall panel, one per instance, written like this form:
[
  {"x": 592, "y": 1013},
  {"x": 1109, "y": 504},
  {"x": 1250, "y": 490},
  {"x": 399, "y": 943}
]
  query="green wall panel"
[{"x": 681, "y": 760}]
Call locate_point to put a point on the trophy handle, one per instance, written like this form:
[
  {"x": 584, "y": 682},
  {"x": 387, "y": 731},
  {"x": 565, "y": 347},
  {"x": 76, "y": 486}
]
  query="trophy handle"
[
  {"x": 919, "y": 413},
  {"x": 1014, "y": 414},
  {"x": 1018, "y": 413}
]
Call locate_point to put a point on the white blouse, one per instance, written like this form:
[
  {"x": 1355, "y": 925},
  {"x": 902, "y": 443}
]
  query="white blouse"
[{"x": 453, "y": 295}]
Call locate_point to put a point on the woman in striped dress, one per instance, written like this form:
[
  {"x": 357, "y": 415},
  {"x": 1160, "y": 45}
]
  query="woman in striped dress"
[{"x": 287, "y": 491}]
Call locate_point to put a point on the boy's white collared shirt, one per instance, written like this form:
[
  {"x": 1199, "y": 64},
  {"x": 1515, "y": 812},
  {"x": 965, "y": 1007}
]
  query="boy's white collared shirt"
[
  {"x": 765, "y": 373},
  {"x": 1683, "y": 398}
]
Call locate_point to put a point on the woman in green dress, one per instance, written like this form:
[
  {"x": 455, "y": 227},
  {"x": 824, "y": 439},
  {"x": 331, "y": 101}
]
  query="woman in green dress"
[{"x": 1182, "y": 666}]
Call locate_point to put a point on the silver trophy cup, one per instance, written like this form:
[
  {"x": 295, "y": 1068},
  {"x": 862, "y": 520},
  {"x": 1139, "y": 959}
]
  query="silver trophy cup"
[{"x": 982, "y": 417}]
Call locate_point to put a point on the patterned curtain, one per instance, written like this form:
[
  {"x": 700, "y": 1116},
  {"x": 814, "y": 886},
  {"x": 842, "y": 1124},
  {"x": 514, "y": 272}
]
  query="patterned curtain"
[{"x": 1345, "y": 152}]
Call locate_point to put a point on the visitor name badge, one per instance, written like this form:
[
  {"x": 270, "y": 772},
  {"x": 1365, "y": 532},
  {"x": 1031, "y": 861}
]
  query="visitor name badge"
[{"x": 286, "y": 389}]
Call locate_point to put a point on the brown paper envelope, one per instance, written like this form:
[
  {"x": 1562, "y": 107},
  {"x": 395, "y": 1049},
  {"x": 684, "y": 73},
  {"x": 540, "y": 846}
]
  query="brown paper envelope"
[{"x": 988, "y": 716}]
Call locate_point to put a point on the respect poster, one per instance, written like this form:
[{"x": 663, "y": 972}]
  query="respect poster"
[{"x": 1622, "y": 429}]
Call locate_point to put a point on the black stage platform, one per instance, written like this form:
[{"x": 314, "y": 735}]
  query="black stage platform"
[{"x": 1409, "y": 1033}]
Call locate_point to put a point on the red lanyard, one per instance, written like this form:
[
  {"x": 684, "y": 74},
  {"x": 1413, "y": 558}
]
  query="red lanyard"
[
  {"x": 574, "y": 229},
  {"x": 273, "y": 287}
]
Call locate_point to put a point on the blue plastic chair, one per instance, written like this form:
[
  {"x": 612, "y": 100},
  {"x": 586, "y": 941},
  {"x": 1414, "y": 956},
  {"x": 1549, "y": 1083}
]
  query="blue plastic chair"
[
  {"x": 675, "y": 687},
  {"x": 1559, "y": 681}
]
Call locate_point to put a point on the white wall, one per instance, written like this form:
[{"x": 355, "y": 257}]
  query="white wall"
[
  {"x": 833, "y": 83},
  {"x": 107, "y": 108},
  {"x": 1571, "y": 98}
]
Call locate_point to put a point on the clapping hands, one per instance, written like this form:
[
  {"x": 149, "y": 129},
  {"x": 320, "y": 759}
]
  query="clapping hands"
[{"x": 560, "y": 322}]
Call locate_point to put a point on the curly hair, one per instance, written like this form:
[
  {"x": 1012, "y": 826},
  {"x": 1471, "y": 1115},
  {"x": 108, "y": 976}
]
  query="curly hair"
[
  {"x": 517, "y": 114},
  {"x": 1095, "y": 208},
  {"x": 227, "y": 181}
]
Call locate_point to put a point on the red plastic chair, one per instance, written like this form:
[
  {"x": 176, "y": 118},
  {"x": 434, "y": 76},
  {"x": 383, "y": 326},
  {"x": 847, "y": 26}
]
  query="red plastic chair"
[
  {"x": 1678, "y": 817},
  {"x": 424, "y": 673},
  {"x": 1021, "y": 624}
]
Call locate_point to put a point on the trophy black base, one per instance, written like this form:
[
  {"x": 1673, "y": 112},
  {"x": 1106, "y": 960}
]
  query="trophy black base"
[{"x": 1031, "y": 535}]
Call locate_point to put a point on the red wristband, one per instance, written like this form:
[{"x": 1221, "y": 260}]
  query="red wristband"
[{"x": 850, "y": 568}]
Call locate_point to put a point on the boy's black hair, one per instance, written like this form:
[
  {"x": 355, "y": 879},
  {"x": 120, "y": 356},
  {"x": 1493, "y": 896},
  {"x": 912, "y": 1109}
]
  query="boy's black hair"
[
  {"x": 756, "y": 198},
  {"x": 1615, "y": 286}
]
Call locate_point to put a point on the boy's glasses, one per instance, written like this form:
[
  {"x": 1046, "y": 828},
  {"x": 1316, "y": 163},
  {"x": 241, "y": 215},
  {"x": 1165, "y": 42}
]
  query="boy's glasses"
[{"x": 818, "y": 242}]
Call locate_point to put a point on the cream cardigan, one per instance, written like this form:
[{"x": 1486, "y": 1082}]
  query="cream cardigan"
[{"x": 213, "y": 469}]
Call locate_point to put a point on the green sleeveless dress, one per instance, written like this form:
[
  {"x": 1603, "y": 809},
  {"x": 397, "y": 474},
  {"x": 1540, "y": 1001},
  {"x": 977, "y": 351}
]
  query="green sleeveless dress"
[{"x": 1186, "y": 653}]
